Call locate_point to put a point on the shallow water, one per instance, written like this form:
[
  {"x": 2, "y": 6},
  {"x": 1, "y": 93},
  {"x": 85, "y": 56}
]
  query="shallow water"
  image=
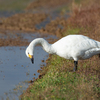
[{"x": 16, "y": 69}]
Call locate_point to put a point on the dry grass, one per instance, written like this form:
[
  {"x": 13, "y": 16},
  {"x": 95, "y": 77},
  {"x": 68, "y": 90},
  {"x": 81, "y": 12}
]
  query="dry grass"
[
  {"x": 38, "y": 4},
  {"x": 84, "y": 15}
]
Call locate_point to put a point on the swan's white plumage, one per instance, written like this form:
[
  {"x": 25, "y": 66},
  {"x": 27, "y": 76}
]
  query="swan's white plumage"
[{"x": 74, "y": 47}]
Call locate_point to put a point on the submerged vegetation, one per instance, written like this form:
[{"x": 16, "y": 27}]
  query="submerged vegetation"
[{"x": 57, "y": 81}]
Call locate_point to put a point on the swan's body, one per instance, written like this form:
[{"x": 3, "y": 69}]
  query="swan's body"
[{"x": 76, "y": 47}]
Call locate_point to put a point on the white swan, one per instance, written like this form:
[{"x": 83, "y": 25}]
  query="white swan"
[{"x": 76, "y": 47}]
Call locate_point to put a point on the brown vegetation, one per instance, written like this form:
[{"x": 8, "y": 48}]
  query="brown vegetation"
[
  {"x": 22, "y": 21},
  {"x": 86, "y": 16},
  {"x": 44, "y": 4},
  {"x": 13, "y": 42}
]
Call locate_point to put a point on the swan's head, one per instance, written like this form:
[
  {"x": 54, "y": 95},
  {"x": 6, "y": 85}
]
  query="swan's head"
[{"x": 29, "y": 54}]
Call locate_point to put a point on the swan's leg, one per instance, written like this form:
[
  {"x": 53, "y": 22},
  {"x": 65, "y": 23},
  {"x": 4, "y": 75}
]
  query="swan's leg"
[
  {"x": 75, "y": 65},
  {"x": 99, "y": 55}
]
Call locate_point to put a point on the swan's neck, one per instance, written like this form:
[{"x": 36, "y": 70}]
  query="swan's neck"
[{"x": 46, "y": 46}]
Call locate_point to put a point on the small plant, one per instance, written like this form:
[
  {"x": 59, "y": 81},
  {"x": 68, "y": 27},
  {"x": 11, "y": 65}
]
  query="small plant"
[{"x": 71, "y": 31}]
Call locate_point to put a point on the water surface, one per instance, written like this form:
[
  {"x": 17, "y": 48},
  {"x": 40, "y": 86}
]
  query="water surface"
[{"x": 16, "y": 69}]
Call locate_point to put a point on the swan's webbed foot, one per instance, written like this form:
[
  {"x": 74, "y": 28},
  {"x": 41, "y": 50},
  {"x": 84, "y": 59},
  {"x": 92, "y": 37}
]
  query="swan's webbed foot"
[{"x": 75, "y": 66}]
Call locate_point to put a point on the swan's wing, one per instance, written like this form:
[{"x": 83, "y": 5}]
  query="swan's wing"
[
  {"x": 86, "y": 49},
  {"x": 87, "y": 44},
  {"x": 76, "y": 46},
  {"x": 69, "y": 42}
]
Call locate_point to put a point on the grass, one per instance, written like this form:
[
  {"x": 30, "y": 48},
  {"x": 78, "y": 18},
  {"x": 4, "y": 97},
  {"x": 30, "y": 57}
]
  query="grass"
[
  {"x": 61, "y": 83},
  {"x": 71, "y": 31}
]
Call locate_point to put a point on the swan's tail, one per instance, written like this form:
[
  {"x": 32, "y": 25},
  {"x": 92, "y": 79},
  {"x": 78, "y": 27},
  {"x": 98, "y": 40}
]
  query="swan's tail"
[{"x": 98, "y": 43}]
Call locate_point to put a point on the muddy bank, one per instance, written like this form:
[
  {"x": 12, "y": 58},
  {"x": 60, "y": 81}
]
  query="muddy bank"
[
  {"x": 18, "y": 23},
  {"x": 27, "y": 22},
  {"x": 11, "y": 38},
  {"x": 19, "y": 38},
  {"x": 22, "y": 21},
  {"x": 13, "y": 42}
]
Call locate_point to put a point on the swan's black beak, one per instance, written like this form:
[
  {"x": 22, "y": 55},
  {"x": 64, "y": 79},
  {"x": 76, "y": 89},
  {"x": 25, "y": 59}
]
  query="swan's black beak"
[{"x": 32, "y": 58}]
